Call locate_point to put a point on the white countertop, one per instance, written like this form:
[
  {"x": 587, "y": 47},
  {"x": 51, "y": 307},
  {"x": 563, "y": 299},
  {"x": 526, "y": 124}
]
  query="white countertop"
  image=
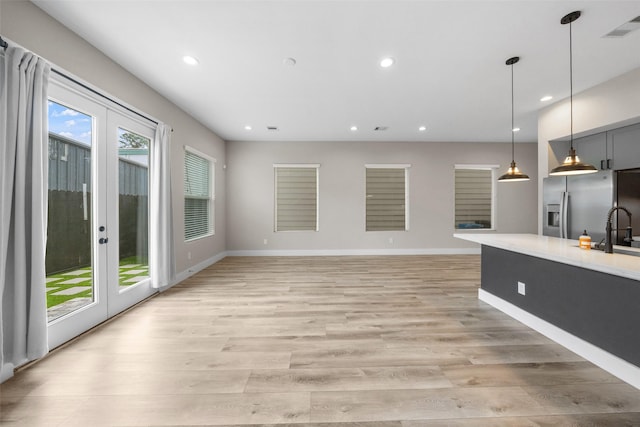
[{"x": 561, "y": 250}]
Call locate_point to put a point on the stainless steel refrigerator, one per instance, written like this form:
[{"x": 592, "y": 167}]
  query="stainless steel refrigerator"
[{"x": 573, "y": 204}]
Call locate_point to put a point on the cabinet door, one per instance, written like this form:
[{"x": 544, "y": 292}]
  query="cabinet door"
[
  {"x": 592, "y": 149},
  {"x": 626, "y": 147}
]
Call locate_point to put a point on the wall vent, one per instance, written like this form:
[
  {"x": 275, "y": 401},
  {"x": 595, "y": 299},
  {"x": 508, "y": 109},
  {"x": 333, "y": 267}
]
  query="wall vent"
[
  {"x": 272, "y": 128},
  {"x": 381, "y": 128},
  {"x": 617, "y": 33},
  {"x": 624, "y": 29}
]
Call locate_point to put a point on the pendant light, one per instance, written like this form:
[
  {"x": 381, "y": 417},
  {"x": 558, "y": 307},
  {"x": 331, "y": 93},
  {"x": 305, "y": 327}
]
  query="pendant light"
[
  {"x": 572, "y": 164},
  {"x": 513, "y": 174}
]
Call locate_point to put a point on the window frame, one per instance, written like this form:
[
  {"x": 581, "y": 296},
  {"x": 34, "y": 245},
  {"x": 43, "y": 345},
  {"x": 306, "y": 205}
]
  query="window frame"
[
  {"x": 211, "y": 197},
  {"x": 494, "y": 188},
  {"x": 406, "y": 167},
  {"x": 276, "y": 166}
]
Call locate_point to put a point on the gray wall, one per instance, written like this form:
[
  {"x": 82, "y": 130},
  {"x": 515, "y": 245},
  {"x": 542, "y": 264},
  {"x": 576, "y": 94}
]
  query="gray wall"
[
  {"x": 246, "y": 218},
  {"x": 27, "y": 25},
  {"x": 250, "y": 208}
]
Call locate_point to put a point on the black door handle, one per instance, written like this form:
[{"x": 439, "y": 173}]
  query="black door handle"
[{"x": 103, "y": 240}]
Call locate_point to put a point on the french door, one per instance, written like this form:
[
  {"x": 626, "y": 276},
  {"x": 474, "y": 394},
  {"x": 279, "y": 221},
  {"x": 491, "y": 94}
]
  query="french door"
[{"x": 98, "y": 229}]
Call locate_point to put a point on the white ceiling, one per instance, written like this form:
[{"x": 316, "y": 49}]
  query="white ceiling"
[{"x": 450, "y": 73}]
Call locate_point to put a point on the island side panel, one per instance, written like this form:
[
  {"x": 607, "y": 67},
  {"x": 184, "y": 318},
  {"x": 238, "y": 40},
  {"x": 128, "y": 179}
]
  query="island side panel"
[{"x": 599, "y": 308}]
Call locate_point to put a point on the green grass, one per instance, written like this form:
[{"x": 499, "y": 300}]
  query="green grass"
[
  {"x": 55, "y": 285},
  {"x": 53, "y": 300}
]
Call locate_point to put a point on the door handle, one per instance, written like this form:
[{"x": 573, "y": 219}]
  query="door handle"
[
  {"x": 103, "y": 240},
  {"x": 564, "y": 217}
]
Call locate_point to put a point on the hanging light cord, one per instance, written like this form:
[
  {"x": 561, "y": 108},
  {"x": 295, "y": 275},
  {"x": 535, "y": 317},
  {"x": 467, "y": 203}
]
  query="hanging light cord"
[
  {"x": 571, "y": 81},
  {"x": 513, "y": 156}
]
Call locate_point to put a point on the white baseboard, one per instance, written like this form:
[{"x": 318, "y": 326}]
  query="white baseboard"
[
  {"x": 350, "y": 252},
  {"x": 183, "y": 275},
  {"x": 622, "y": 369}
]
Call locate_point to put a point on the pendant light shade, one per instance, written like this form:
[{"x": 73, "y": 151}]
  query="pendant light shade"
[
  {"x": 572, "y": 164},
  {"x": 513, "y": 174}
]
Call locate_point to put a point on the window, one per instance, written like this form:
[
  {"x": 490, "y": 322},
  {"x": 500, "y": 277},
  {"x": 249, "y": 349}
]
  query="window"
[
  {"x": 296, "y": 197},
  {"x": 387, "y": 193},
  {"x": 474, "y": 196},
  {"x": 198, "y": 194}
]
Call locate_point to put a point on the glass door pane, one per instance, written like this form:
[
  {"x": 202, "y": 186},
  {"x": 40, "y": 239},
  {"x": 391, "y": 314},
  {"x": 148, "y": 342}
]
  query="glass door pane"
[
  {"x": 69, "y": 266},
  {"x": 128, "y": 145},
  {"x": 133, "y": 212},
  {"x": 76, "y": 261}
]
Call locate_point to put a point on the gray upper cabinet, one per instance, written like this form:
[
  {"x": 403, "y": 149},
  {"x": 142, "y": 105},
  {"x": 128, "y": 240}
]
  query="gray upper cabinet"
[
  {"x": 595, "y": 150},
  {"x": 616, "y": 149},
  {"x": 626, "y": 147}
]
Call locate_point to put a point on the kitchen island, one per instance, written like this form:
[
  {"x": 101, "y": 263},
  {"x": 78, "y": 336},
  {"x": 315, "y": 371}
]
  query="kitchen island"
[{"x": 586, "y": 300}]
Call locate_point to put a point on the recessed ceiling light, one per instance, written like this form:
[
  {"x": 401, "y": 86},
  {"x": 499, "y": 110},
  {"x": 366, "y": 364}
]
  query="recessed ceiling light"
[
  {"x": 546, "y": 98},
  {"x": 353, "y": 128},
  {"x": 387, "y": 62},
  {"x": 422, "y": 128},
  {"x": 190, "y": 60},
  {"x": 516, "y": 129},
  {"x": 247, "y": 127}
]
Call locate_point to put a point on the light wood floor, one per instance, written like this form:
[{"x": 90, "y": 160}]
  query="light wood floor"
[{"x": 372, "y": 341}]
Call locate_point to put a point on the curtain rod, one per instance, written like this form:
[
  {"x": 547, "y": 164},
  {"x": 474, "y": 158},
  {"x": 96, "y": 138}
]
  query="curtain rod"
[
  {"x": 4, "y": 45},
  {"x": 102, "y": 95}
]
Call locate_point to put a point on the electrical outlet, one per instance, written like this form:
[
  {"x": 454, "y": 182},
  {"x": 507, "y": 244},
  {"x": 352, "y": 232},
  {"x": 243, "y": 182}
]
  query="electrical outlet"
[
  {"x": 522, "y": 288},
  {"x": 265, "y": 241},
  {"x": 391, "y": 240},
  {"x": 188, "y": 255}
]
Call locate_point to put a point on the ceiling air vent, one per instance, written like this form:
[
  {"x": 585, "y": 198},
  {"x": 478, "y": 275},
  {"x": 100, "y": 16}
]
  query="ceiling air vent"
[
  {"x": 381, "y": 128},
  {"x": 625, "y": 28}
]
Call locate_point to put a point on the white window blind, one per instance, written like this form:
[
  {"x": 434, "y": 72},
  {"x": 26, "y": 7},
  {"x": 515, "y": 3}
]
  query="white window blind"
[
  {"x": 296, "y": 194},
  {"x": 198, "y": 218},
  {"x": 473, "y": 198},
  {"x": 386, "y": 206}
]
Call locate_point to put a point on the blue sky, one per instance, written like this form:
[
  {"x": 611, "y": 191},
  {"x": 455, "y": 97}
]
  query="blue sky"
[{"x": 69, "y": 123}]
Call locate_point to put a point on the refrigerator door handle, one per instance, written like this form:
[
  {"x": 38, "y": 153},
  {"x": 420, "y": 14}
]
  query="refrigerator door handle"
[
  {"x": 561, "y": 219},
  {"x": 564, "y": 208}
]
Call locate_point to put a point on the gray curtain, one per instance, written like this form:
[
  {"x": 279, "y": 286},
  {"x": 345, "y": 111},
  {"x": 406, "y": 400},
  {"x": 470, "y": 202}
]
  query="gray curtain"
[
  {"x": 161, "y": 258},
  {"x": 23, "y": 207}
]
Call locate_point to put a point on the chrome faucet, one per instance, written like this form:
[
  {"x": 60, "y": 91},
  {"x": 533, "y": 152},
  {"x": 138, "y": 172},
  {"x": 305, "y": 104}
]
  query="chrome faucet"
[{"x": 628, "y": 237}]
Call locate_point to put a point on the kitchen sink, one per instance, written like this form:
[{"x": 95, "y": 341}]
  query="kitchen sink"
[{"x": 624, "y": 250}]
